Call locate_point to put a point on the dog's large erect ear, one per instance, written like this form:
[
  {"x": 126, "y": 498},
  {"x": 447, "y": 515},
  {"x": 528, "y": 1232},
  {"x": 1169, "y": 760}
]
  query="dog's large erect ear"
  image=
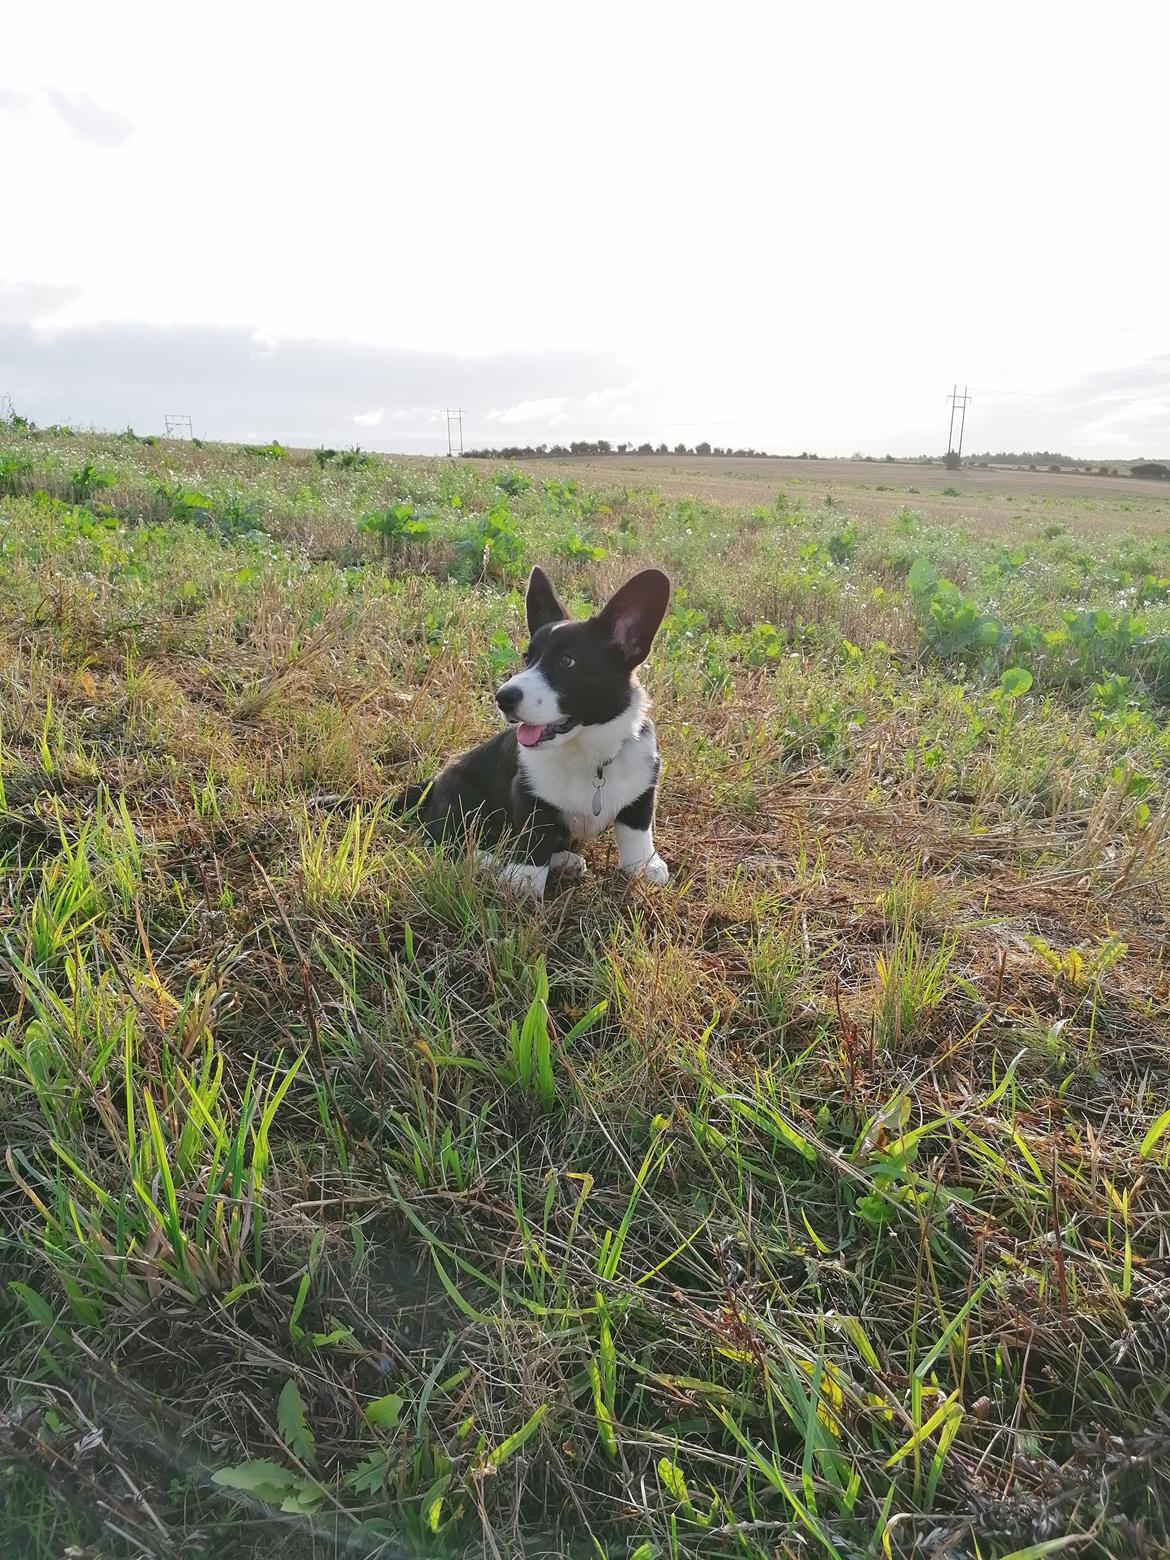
[
  {"x": 631, "y": 617},
  {"x": 541, "y": 604}
]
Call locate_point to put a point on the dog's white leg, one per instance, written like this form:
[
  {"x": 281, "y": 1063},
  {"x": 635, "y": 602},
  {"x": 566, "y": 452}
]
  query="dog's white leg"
[
  {"x": 637, "y": 856},
  {"x": 518, "y": 877},
  {"x": 568, "y": 864}
]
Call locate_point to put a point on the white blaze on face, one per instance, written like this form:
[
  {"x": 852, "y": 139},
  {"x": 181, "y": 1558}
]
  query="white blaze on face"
[{"x": 539, "y": 705}]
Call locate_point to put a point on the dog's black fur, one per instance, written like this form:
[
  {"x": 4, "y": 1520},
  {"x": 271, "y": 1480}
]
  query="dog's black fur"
[{"x": 484, "y": 789}]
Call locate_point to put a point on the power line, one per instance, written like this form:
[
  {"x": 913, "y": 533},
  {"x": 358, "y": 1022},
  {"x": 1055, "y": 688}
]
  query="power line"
[
  {"x": 1033, "y": 395},
  {"x": 957, "y": 400},
  {"x": 454, "y": 415}
]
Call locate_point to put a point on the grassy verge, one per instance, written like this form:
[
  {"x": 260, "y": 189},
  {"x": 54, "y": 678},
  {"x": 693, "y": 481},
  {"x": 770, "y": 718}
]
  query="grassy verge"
[{"x": 815, "y": 1204}]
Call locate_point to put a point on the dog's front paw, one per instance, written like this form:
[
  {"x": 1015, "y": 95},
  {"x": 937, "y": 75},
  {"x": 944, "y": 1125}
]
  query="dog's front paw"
[
  {"x": 517, "y": 877},
  {"x": 652, "y": 870},
  {"x": 569, "y": 864},
  {"x": 524, "y": 881}
]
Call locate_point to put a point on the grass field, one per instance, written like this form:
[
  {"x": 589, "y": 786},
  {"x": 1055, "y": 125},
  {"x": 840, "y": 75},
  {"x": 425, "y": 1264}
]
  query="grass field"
[{"x": 815, "y": 1204}]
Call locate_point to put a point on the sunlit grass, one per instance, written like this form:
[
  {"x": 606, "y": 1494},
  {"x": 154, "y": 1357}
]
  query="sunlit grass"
[{"x": 814, "y": 1204}]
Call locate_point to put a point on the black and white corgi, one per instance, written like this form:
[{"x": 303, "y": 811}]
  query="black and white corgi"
[{"x": 578, "y": 754}]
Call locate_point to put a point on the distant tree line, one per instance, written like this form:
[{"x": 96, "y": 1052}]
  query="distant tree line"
[
  {"x": 1049, "y": 457},
  {"x": 1051, "y": 460},
  {"x": 604, "y": 447}
]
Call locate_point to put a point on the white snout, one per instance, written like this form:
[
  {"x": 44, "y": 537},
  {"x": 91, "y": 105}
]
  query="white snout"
[{"x": 539, "y": 705}]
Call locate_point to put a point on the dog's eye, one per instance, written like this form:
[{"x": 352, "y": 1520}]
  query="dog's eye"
[{"x": 565, "y": 661}]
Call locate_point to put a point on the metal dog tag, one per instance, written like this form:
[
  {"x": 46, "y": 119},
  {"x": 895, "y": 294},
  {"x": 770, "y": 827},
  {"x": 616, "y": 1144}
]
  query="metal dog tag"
[{"x": 598, "y": 786}]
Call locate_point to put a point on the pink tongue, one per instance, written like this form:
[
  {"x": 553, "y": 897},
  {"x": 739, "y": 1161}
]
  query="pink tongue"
[{"x": 527, "y": 735}]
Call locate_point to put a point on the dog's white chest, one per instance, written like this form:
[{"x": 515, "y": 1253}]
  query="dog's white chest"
[{"x": 588, "y": 788}]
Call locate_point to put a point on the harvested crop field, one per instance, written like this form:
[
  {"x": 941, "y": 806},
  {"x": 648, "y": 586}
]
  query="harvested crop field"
[{"x": 992, "y": 500}]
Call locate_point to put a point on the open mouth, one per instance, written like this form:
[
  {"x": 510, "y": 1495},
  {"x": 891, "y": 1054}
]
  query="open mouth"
[{"x": 530, "y": 736}]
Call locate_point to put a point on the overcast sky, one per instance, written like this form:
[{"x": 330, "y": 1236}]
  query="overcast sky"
[{"x": 790, "y": 226}]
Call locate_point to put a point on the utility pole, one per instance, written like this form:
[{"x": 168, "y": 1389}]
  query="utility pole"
[
  {"x": 454, "y": 416},
  {"x": 954, "y": 457}
]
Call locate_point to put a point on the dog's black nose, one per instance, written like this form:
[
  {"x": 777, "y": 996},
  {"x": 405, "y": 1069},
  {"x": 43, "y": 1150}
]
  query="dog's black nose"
[{"x": 508, "y": 698}]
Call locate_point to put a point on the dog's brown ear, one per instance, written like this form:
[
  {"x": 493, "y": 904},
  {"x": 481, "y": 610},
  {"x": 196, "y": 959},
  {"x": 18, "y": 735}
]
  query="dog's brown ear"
[
  {"x": 631, "y": 616},
  {"x": 540, "y": 604}
]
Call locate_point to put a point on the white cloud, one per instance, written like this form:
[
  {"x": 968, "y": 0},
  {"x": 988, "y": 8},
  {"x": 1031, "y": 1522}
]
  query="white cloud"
[
  {"x": 22, "y": 303},
  {"x": 301, "y": 391},
  {"x": 370, "y": 419},
  {"x": 529, "y": 411},
  {"x": 89, "y": 121},
  {"x": 619, "y": 392},
  {"x": 1136, "y": 424}
]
